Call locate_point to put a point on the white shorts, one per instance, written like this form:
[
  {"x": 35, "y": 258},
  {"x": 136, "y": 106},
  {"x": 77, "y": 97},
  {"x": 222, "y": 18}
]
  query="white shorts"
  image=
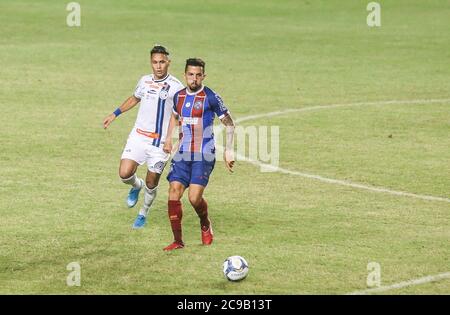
[{"x": 140, "y": 149}]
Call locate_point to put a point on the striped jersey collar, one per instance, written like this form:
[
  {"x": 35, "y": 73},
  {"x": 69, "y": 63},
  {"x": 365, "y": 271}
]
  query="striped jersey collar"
[{"x": 194, "y": 93}]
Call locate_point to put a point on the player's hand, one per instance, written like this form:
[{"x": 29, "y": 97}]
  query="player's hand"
[
  {"x": 108, "y": 120},
  {"x": 228, "y": 157},
  {"x": 167, "y": 147}
]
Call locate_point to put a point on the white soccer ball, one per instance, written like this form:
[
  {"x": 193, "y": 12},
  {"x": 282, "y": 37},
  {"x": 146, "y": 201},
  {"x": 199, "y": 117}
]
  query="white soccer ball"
[{"x": 235, "y": 268}]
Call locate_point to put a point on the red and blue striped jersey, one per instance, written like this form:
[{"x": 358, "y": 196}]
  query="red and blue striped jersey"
[{"x": 196, "y": 118}]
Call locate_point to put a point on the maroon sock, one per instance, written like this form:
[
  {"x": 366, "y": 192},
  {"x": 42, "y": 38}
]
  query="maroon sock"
[
  {"x": 202, "y": 212},
  {"x": 175, "y": 215}
]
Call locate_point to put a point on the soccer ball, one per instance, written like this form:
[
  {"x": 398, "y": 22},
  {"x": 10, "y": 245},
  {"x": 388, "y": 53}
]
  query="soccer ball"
[{"x": 235, "y": 268}]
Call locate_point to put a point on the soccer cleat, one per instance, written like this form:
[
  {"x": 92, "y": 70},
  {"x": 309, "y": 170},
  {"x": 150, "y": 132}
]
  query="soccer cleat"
[
  {"x": 133, "y": 195},
  {"x": 173, "y": 246},
  {"x": 208, "y": 235},
  {"x": 139, "y": 222}
]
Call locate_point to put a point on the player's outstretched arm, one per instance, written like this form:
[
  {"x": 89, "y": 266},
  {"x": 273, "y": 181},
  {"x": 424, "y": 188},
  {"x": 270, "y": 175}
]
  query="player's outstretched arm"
[
  {"x": 127, "y": 105},
  {"x": 228, "y": 154},
  {"x": 168, "y": 145}
]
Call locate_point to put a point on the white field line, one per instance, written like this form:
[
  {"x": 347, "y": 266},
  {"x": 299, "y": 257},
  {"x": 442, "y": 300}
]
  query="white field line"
[
  {"x": 403, "y": 284},
  {"x": 337, "y": 181},
  {"x": 330, "y": 106},
  {"x": 271, "y": 168}
]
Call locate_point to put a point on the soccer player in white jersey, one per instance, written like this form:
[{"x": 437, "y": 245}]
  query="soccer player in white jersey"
[{"x": 145, "y": 142}]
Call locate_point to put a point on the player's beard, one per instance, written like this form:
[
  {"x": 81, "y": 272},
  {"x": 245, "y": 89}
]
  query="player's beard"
[{"x": 194, "y": 87}]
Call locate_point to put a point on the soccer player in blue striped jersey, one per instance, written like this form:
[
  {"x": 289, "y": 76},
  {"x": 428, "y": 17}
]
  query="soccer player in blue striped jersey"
[{"x": 194, "y": 110}]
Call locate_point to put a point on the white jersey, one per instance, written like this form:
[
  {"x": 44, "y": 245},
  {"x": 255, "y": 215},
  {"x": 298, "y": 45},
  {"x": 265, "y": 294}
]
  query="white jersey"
[{"x": 155, "y": 107}]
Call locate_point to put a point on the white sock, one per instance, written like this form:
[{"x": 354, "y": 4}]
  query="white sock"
[
  {"x": 149, "y": 196},
  {"x": 133, "y": 181}
]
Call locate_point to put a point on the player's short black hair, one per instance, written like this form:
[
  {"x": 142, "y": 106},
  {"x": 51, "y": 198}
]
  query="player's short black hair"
[
  {"x": 158, "y": 49},
  {"x": 195, "y": 62}
]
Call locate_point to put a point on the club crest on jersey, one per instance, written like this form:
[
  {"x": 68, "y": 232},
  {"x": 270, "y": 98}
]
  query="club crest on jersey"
[
  {"x": 163, "y": 94},
  {"x": 198, "y": 105}
]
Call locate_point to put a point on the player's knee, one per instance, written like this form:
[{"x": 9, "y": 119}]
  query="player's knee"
[
  {"x": 125, "y": 174},
  {"x": 195, "y": 200},
  {"x": 151, "y": 184},
  {"x": 175, "y": 193}
]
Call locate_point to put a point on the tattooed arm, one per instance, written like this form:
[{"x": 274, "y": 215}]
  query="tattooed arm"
[{"x": 228, "y": 154}]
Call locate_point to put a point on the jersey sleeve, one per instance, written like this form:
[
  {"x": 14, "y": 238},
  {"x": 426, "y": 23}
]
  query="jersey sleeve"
[
  {"x": 177, "y": 86},
  {"x": 175, "y": 102},
  {"x": 139, "y": 90},
  {"x": 217, "y": 105}
]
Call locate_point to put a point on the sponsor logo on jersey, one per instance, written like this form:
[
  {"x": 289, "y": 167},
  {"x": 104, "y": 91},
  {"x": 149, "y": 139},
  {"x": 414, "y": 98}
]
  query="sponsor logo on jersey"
[
  {"x": 152, "y": 85},
  {"x": 188, "y": 105},
  {"x": 190, "y": 121},
  {"x": 221, "y": 104}
]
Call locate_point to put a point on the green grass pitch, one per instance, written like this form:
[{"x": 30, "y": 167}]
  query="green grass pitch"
[{"x": 61, "y": 199}]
